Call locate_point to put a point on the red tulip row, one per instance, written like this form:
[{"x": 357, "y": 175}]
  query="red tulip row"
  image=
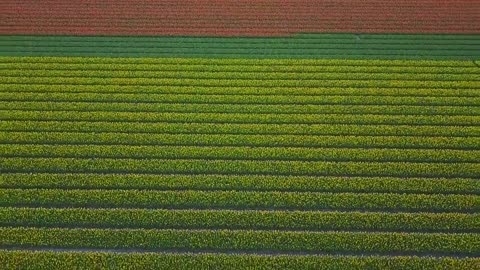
[{"x": 226, "y": 18}]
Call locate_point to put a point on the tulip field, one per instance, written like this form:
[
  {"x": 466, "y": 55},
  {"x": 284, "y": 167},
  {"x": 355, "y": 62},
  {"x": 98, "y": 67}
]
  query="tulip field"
[
  {"x": 216, "y": 134},
  {"x": 237, "y": 17}
]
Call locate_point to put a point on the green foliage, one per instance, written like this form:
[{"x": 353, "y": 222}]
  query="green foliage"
[
  {"x": 240, "y": 153},
  {"x": 253, "y": 82},
  {"x": 237, "y": 65},
  {"x": 218, "y": 166},
  {"x": 244, "y": 219},
  {"x": 243, "y": 99},
  {"x": 241, "y": 75},
  {"x": 239, "y": 200},
  {"x": 300, "y": 46},
  {"x": 230, "y": 90},
  {"x": 242, "y": 240},
  {"x": 283, "y": 109},
  {"x": 71, "y": 260},
  {"x": 238, "y": 182},
  {"x": 241, "y": 118},
  {"x": 237, "y": 156},
  {"x": 241, "y": 129},
  {"x": 239, "y": 61},
  {"x": 132, "y": 138}
]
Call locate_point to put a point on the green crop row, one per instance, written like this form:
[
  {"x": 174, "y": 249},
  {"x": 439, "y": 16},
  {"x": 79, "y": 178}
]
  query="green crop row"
[
  {"x": 465, "y": 53},
  {"x": 249, "y": 50},
  {"x": 235, "y": 75},
  {"x": 242, "y": 118},
  {"x": 242, "y": 83},
  {"x": 238, "y": 182},
  {"x": 219, "y": 61},
  {"x": 242, "y": 99},
  {"x": 232, "y": 128},
  {"x": 241, "y": 68},
  {"x": 239, "y": 200},
  {"x": 239, "y": 153},
  {"x": 227, "y": 240},
  {"x": 225, "y": 128},
  {"x": 362, "y": 54},
  {"x": 269, "y": 167},
  {"x": 229, "y": 219},
  {"x": 34, "y": 260},
  {"x": 239, "y": 108},
  {"x": 241, "y": 140},
  {"x": 227, "y": 90}
]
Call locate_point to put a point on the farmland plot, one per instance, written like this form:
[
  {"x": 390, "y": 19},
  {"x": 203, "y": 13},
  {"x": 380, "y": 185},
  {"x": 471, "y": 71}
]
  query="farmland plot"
[{"x": 216, "y": 134}]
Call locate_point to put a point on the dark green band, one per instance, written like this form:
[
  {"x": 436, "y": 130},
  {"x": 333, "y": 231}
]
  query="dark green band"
[{"x": 318, "y": 46}]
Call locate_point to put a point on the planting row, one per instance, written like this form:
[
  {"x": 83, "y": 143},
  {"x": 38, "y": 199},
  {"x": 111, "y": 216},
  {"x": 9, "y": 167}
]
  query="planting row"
[
  {"x": 242, "y": 82},
  {"x": 238, "y": 129},
  {"x": 242, "y": 118},
  {"x": 304, "y": 63},
  {"x": 265, "y": 50},
  {"x": 239, "y": 108},
  {"x": 130, "y": 138},
  {"x": 239, "y": 67},
  {"x": 239, "y": 153},
  {"x": 239, "y": 200},
  {"x": 237, "y": 75},
  {"x": 307, "y": 39},
  {"x": 380, "y": 54},
  {"x": 230, "y": 219},
  {"x": 241, "y": 45},
  {"x": 78, "y": 260},
  {"x": 303, "y": 36},
  {"x": 241, "y": 183},
  {"x": 224, "y": 166},
  {"x": 229, "y": 240},
  {"x": 268, "y": 99},
  {"x": 300, "y": 36},
  {"x": 226, "y": 90},
  {"x": 237, "y": 9}
]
